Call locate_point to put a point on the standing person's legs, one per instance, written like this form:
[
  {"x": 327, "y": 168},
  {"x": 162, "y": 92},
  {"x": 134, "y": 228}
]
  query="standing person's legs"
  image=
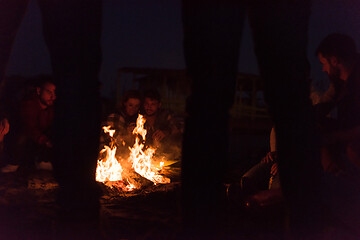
[
  {"x": 72, "y": 31},
  {"x": 280, "y": 37},
  {"x": 212, "y": 32}
]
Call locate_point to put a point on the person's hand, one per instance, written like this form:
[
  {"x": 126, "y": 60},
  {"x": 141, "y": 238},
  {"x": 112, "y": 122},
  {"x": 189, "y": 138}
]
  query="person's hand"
[
  {"x": 270, "y": 157},
  {"x": 158, "y": 135},
  {"x": 274, "y": 169}
]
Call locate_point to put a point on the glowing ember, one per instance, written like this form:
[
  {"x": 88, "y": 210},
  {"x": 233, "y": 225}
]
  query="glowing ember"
[{"x": 110, "y": 172}]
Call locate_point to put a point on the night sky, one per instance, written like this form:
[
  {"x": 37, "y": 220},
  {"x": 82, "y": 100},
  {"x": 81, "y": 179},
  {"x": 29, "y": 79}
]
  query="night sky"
[{"x": 143, "y": 33}]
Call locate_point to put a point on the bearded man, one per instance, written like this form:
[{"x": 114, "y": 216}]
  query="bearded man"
[
  {"x": 341, "y": 136},
  {"x": 36, "y": 117},
  {"x": 160, "y": 124}
]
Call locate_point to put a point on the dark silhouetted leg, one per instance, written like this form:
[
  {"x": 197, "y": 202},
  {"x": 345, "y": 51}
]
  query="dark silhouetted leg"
[
  {"x": 280, "y": 39},
  {"x": 212, "y": 36},
  {"x": 212, "y": 32},
  {"x": 72, "y": 31}
]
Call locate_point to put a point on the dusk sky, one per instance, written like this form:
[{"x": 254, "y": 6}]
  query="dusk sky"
[{"x": 142, "y": 33}]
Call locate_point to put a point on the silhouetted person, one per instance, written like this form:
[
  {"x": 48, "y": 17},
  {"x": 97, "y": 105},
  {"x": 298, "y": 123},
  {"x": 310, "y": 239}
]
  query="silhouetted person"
[
  {"x": 212, "y": 34},
  {"x": 72, "y": 32}
]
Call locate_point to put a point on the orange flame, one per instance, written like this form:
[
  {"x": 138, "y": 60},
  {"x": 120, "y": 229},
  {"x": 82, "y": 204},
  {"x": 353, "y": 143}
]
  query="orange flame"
[
  {"x": 108, "y": 130},
  {"x": 140, "y": 159},
  {"x": 109, "y": 169},
  {"x": 139, "y": 129}
]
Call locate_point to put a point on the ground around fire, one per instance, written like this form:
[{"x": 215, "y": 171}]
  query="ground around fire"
[{"x": 29, "y": 211}]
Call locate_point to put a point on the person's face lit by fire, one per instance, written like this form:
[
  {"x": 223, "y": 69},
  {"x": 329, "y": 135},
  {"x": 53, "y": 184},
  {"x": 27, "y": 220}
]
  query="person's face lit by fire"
[
  {"x": 47, "y": 94},
  {"x": 132, "y": 106},
  {"x": 151, "y": 106},
  {"x": 330, "y": 66}
]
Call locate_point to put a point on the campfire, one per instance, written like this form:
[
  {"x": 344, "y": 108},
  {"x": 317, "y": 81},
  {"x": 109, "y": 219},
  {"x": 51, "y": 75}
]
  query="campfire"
[{"x": 125, "y": 173}]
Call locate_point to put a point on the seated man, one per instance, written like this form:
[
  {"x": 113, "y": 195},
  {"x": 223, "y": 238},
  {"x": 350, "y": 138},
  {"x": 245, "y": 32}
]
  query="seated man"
[
  {"x": 36, "y": 118},
  {"x": 263, "y": 175},
  {"x": 161, "y": 125},
  {"x": 341, "y": 136}
]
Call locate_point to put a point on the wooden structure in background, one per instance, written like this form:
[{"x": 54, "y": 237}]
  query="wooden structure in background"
[
  {"x": 174, "y": 87},
  {"x": 172, "y": 84}
]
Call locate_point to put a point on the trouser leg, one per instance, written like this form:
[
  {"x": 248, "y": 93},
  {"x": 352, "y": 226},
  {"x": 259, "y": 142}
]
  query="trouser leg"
[
  {"x": 280, "y": 40},
  {"x": 212, "y": 31},
  {"x": 72, "y": 32}
]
